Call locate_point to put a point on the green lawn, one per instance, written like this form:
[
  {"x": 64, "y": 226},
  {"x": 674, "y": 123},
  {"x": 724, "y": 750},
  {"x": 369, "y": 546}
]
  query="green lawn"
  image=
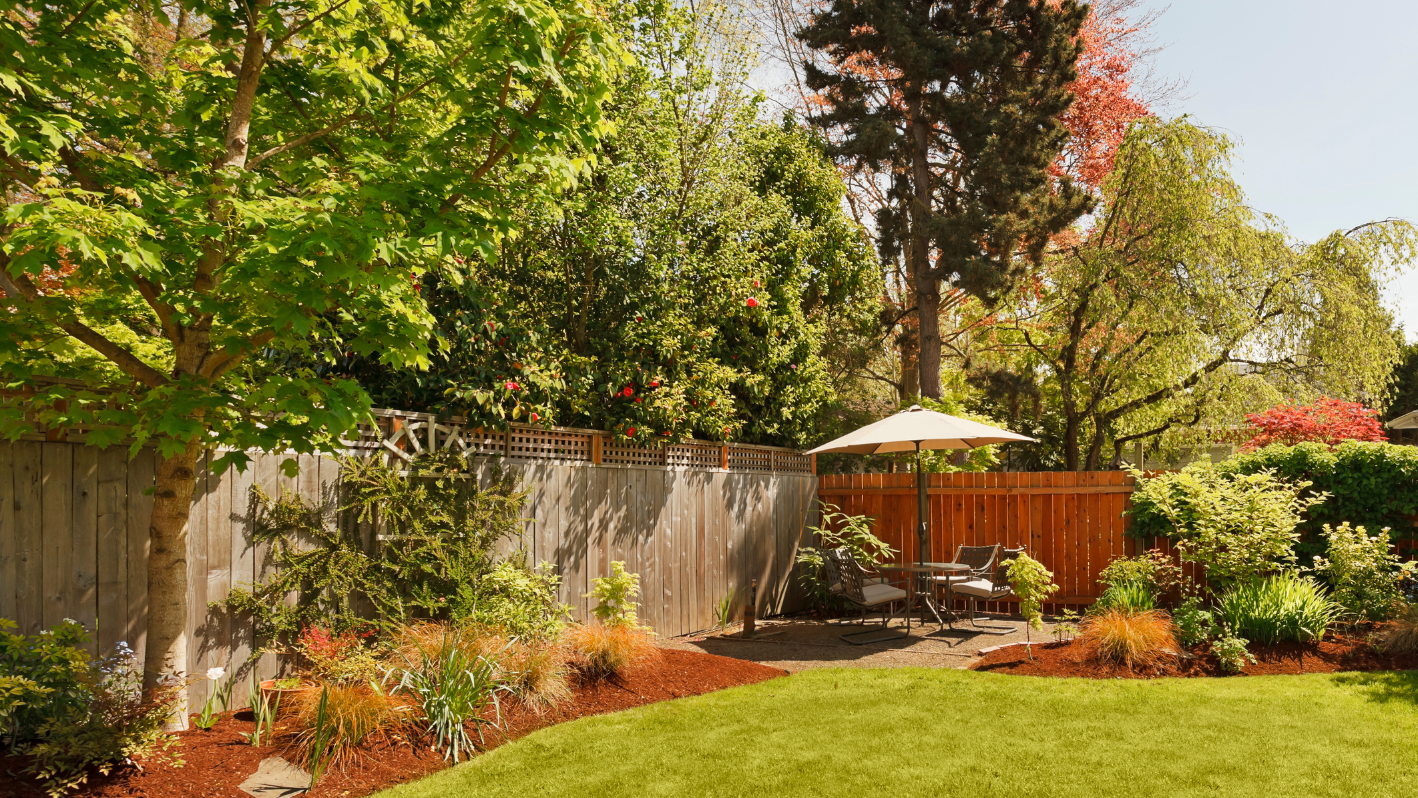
[{"x": 913, "y": 732}]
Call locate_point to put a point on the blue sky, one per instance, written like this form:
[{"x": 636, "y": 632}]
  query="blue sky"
[{"x": 1323, "y": 97}]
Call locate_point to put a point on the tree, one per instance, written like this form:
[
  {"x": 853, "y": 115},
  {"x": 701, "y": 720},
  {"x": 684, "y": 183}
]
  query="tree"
[
  {"x": 1404, "y": 384},
  {"x": 692, "y": 285},
  {"x": 1180, "y": 306},
  {"x": 191, "y": 188},
  {"x": 961, "y": 104},
  {"x": 1328, "y": 421}
]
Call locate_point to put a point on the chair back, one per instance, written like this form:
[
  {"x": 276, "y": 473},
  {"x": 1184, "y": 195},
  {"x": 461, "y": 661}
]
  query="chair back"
[
  {"x": 1001, "y": 576},
  {"x": 979, "y": 558},
  {"x": 844, "y": 575}
]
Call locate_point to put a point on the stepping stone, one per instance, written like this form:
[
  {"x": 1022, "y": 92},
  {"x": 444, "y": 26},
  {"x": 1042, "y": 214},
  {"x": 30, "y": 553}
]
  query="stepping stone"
[{"x": 276, "y": 778}]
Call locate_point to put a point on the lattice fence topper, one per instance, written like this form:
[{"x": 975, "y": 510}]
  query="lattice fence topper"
[{"x": 405, "y": 435}]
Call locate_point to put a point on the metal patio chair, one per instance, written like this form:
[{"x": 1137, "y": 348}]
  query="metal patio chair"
[
  {"x": 994, "y": 588},
  {"x": 847, "y": 578}
]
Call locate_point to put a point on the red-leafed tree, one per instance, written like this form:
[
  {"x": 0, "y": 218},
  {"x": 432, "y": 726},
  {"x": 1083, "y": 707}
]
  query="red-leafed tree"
[{"x": 1328, "y": 421}]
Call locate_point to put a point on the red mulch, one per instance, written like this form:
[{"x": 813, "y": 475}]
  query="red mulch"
[
  {"x": 1077, "y": 659},
  {"x": 219, "y": 760}
]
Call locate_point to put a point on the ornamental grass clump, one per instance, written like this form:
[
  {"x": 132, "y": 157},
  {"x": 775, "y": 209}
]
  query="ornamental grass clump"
[
  {"x": 1280, "y": 608},
  {"x": 1129, "y": 638},
  {"x": 1399, "y": 635},
  {"x": 354, "y": 716},
  {"x": 538, "y": 673},
  {"x": 615, "y": 640},
  {"x": 450, "y": 684}
]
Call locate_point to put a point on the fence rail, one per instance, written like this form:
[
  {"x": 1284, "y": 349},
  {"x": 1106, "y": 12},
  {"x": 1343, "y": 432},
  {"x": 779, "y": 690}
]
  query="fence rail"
[{"x": 1071, "y": 522}]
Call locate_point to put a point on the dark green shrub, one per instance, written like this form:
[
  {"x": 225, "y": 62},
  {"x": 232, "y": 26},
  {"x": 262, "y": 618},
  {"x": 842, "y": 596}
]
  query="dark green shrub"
[
  {"x": 1195, "y": 625},
  {"x": 1280, "y": 608},
  {"x": 76, "y": 713}
]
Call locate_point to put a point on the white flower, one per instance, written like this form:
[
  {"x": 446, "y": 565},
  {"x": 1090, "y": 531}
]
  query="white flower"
[{"x": 215, "y": 673}]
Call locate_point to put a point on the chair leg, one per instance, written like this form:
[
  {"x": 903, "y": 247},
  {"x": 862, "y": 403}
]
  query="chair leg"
[{"x": 989, "y": 630}]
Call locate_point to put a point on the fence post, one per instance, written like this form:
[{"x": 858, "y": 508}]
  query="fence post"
[
  {"x": 724, "y": 457},
  {"x": 597, "y": 441}
]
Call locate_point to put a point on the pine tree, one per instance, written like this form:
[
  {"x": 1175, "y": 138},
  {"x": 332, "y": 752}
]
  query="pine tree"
[{"x": 959, "y": 104}]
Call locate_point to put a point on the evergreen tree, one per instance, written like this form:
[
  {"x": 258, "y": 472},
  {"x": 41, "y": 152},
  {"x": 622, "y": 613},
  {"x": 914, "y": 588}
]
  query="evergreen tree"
[{"x": 960, "y": 104}]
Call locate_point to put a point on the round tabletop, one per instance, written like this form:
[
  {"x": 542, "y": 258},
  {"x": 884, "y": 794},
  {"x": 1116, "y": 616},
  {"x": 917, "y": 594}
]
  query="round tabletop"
[{"x": 925, "y": 568}]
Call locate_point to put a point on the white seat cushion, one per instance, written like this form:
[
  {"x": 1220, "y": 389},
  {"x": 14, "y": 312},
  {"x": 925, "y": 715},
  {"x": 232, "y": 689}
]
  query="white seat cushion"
[
  {"x": 979, "y": 588},
  {"x": 880, "y": 594}
]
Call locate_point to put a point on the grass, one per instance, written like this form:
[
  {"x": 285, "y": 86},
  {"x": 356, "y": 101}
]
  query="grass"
[{"x": 917, "y": 732}]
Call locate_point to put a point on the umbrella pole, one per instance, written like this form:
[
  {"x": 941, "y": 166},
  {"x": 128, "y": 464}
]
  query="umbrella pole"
[{"x": 923, "y": 531}]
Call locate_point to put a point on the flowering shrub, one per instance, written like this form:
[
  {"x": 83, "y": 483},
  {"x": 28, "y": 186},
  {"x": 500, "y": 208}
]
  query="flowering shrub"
[
  {"x": 1231, "y": 651},
  {"x": 343, "y": 657},
  {"x": 1362, "y": 570},
  {"x": 1328, "y": 421}
]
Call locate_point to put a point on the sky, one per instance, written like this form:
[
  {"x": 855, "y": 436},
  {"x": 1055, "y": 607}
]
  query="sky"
[{"x": 1323, "y": 98}]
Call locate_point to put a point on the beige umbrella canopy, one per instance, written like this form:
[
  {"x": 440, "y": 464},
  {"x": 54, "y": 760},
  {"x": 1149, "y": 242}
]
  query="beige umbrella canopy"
[
  {"x": 1405, "y": 421},
  {"x": 913, "y": 430}
]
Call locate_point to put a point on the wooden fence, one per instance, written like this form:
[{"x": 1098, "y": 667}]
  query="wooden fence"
[
  {"x": 1071, "y": 522},
  {"x": 74, "y": 527}
]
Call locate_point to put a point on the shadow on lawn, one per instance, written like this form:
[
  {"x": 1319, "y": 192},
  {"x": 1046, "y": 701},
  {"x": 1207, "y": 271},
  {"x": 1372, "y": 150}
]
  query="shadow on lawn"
[{"x": 1383, "y": 686}]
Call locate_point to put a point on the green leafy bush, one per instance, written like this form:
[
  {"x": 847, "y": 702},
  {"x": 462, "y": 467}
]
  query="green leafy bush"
[
  {"x": 1231, "y": 651},
  {"x": 1195, "y": 625},
  {"x": 837, "y": 530},
  {"x": 1373, "y": 485},
  {"x": 615, "y": 597},
  {"x": 1154, "y": 569},
  {"x": 1033, "y": 584},
  {"x": 1362, "y": 570},
  {"x": 436, "y": 557},
  {"x": 1236, "y": 526},
  {"x": 1284, "y": 607},
  {"x": 1125, "y": 596},
  {"x": 76, "y": 713}
]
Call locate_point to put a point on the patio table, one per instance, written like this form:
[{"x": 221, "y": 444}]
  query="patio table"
[{"x": 919, "y": 570}]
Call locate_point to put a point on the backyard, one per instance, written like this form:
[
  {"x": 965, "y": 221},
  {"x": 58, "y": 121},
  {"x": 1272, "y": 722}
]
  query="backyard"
[{"x": 924, "y": 732}]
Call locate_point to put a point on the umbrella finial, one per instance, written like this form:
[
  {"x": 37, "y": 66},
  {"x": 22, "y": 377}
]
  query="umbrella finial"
[{"x": 913, "y": 408}]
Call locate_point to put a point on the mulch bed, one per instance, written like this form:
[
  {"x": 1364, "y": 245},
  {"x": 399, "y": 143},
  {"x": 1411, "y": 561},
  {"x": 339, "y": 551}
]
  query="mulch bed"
[
  {"x": 1077, "y": 659},
  {"x": 219, "y": 760}
]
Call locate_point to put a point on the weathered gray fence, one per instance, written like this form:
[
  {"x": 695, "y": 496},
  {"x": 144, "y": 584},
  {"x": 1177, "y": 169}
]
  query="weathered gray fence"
[{"x": 74, "y": 538}]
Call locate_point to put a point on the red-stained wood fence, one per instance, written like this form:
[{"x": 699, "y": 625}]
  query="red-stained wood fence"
[{"x": 1072, "y": 522}]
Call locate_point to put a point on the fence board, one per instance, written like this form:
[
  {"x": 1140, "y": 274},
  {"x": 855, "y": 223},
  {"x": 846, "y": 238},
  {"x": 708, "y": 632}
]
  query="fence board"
[
  {"x": 82, "y": 597},
  {"x": 57, "y": 545},
  {"x": 8, "y": 541}
]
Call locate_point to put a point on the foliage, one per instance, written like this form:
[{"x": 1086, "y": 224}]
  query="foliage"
[
  {"x": 960, "y": 105},
  {"x": 1154, "y": 568},
  {"x": 1279, "y": 608},
  {"x": 452, "y": 687},
  {"x": 1328, "y": 421},
  {"x": 1065, "y": 626},
  {"x": 1404, "y": 384},
  {"x": 1363, "y": 572},
  {"x": 603, "y": 650},
  {"x": 1125, "y": 597},
  {"x": 703, "y": 280},
  {"x": 437, "y": 558},
  {"x": 239, "y": 195},
  {"x": 1130, "y": 637},
  {"x": 1032, "y": 584},
  {"x": 1231, "y": 651},
  {"x": 1399, "y": 635},
  {"x": 727, "y": 607},
  {"x": 837, "y": 530},
  {"x": 1195, "y": 625},
  {"x": 1176, "y": 307},
  {"x": 81, "y": 714},
  {"x": 337, "y": 658},
  {"x": 1373, "y": 485},
  {"x": 1236, "y": 526},
  {"x": 220, "y": 694},
  {"x": 615, "y": 597},
  {"x": 538, "y": 673},
  {"x": 335, "y": 722},
  {"x": 264, "y": 708}
]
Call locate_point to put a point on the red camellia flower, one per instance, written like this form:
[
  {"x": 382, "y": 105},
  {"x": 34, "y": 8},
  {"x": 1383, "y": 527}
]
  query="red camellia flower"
[
  {"x": 755, "y": 284},
  {"x": 753, "y": 303},
  {"x": 655, "y": 384},
  {"x": 630, "y": 432},
  {"x": 511, "y": 386},
  {"x": 536, "y": 417},
  {"x": 639, "y": 318},
  {"x": 637, "y": 400},
  {"x": 627, "y": 391}
]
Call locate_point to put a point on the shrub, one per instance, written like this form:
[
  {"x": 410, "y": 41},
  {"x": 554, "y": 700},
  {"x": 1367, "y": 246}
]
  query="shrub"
[
  {"x": 1194, "y": 625},
  {"x": 1153, "y": 568},
  {"x": 1125, "y": 596},
  {"x": 355, "y": 714},
  {"x": 1285, "y": 607},
  {"x": 451, "y": 686},
  {"x": 615, "y": 597},
  {"x": 1130, "y": 638},
  {"x": 1236, "y": 526},
  {"x": 339, "y": 658},
  {"x": 1373, "y": 485},
  {"x": 837, "y": 530},
  {"x": 1231, "y": 651},
  {"x": 608, "y": 650},
  {"x": 1032, "y": 584},
  {"x": 72, "y": 713},
  {"x": 517, "y": 600},
  {"x": 1328, "y": 421},
  {"x": 1362, "y": 570},
  {"x": 1400, "y": 634},
  {"x": 538, "y": 673}
]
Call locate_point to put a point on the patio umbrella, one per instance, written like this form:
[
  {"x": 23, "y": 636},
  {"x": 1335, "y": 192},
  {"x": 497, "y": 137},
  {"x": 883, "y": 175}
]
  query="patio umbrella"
[
  {"x": 917, "y": 429},
  {"x": 1405, "y": 421}
]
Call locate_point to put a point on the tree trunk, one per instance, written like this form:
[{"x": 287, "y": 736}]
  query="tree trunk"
[
  {"x": 166, "y": 652},
  {"x": 926, "y": 283},
  {"x": 1070, "y": 441}
]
